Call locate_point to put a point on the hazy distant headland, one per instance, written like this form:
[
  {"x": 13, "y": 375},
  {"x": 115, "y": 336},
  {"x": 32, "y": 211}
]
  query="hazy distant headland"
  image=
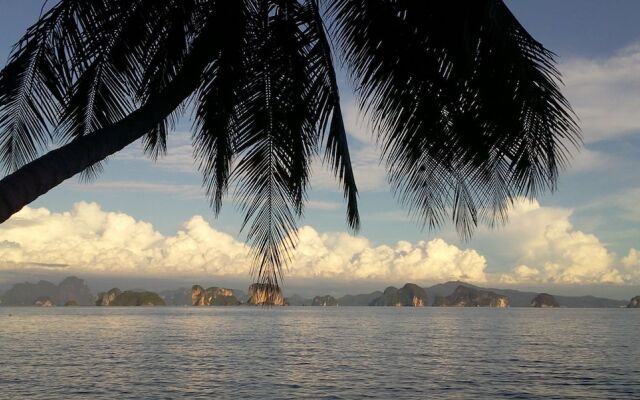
[
  {"x": 69, "y": 289},
  {"x": 73, "y": 291}
]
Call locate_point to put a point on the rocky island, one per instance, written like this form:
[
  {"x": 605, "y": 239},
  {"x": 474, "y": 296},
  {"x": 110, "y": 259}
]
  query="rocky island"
[
  {"x": 43, "y": 302},
  {"x": 465, "y": 296},
  {"x": 409, "y": 295},
  {"x": 265, "y": 295},
  {"x": 324, "y": 301},
  {"x": 106, "y": 298},
  {"x": 213, "y": 296},
  {"x": 73, "y": 291},
  {"x": 118, "y": 298},
  {"x": 544, "y": 300}
]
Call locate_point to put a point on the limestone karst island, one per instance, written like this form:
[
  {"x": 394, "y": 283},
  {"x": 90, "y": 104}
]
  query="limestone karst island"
[{"x": 73, "y": 291}]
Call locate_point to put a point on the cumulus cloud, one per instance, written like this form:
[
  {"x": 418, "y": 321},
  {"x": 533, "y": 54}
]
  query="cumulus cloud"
[
  {"x": 551, "y": 250},
  {"x": 89, "y": 239},
  {"x": 542, "y": 246},
  {"x": 631, "y": 264},
  {"x": 632, "y": 260},
  {"x": 339, "y": 255}
]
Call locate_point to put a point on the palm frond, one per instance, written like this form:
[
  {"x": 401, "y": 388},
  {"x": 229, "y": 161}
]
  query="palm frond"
[
  {"x": 86, "y": 65},
  {"x": 327, "y": 102},
  {"x": 133, "y": 52},
  {"x": 276, "y": 135},
  {"x": 166, "y": 45},
  {"x": 33, "y": 86},
  {"x": 216, "y": 113},
  {"x": 261, "y": 112},
  {"x": 464, "y": 101}
]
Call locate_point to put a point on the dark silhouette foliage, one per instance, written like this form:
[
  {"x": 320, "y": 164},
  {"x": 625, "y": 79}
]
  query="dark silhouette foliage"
[{"x": 465, "y": 104}]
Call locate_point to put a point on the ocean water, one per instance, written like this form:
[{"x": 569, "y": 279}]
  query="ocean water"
[{"x": 323, "y": 352}]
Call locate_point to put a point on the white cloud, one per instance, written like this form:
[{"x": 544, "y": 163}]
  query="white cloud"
[
  {"x": 604, "y": 93},
  {"x": 631, "y": 264},
  {"x": 338, "y": 255},
  {"x": 89, "y": 239},
  {"x": 632, "y": 260},
  {"x": 542, "y": 245},
  {"x": 550, "y": 250}
]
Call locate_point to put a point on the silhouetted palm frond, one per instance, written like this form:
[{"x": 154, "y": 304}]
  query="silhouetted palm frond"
[
  {"x": 330, "y": 112},
  {"x": 217, "y": 105},
  {"x": 464, "y": 102},
  {"x": 276, "y": 134},
  {"x": 34, "y": 83}
]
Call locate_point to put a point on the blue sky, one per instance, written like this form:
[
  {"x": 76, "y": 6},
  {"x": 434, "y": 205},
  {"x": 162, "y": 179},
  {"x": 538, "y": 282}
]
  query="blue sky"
[{"x": 594, "y": 210}]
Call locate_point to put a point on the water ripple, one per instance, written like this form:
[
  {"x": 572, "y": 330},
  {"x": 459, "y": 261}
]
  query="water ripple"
[{"x": 329, "y": 353}]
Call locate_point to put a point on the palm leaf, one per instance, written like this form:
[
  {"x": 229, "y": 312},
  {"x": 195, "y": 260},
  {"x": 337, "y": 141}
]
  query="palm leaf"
[
  {"x": 216, "y": 113},
  {"x": 329, "y": 111},
  {"x": 464, "y": 101},
  {"x": 33, "y": 86},
  {"x": 276, "y": 136}
]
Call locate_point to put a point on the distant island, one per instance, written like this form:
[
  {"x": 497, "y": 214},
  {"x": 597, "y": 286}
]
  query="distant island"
[
  {"x": 44, "y": 293},
  {"x": 213, "y": 296},
  {"x": 73, "y": 291},
  {"x": 544, "y": 300},
  {"x": 409, "y": 295},
  {"x": 324, "y": 301},
  {"x": 129, "y": 298},
  {"x": 464, "y": 296}
]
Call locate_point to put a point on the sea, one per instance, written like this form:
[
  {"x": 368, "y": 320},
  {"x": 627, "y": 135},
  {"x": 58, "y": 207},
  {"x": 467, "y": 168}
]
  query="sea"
[{"x": 318, "y": 353}]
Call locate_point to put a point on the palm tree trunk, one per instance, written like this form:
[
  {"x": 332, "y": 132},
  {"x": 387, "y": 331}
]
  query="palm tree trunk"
[{"x": 41, "y": 175}]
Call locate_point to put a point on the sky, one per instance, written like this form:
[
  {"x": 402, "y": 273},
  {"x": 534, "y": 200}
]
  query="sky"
[{"x": 150, "y": 223}]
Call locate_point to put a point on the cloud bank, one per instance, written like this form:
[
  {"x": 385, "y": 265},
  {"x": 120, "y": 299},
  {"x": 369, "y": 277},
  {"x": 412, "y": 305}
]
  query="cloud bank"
[
  {"x": 551, "y": 250},
  {"x": 89, "y": 239},
  {"x": 540, "y": 241}
]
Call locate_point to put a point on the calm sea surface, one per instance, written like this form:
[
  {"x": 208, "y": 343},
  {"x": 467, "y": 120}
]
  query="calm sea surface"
[{"x": 294, "y": 352}]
